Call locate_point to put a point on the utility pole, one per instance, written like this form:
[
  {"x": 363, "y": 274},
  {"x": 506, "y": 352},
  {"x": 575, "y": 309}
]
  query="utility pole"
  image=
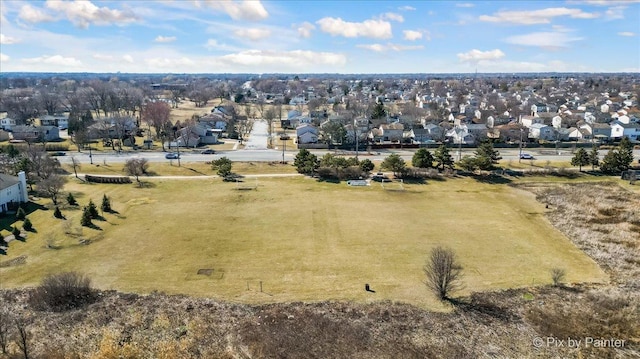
[
  {"x": 520, "y": 145},
  {"x": 355, "y": 130}
]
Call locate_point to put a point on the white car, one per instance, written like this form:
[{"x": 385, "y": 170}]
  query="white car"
[{"x": 526, "y": 156}]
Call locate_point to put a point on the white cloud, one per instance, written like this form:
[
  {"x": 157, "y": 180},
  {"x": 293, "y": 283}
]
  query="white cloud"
[
  {"x": 283, "y": 59},
  {"x": 4, "y": 58},
  {"x": 240, "y": 10},
  {"x": 627, "y": 33},
  {"x": 542, "y": 16},
  {"x": 55, "y": 60},
  {"x": 377, "y": 29},
  {"x": 407, "y": 8},
  {"x": 412, "y": 35},
  {"x": 604, "y": 2},
  {"x": 389, "y": 47},
  {"x": 103, "y": 57},
  {"x": 466, "y": 4},
  {"x": 253, "y": 34},
  {"x": 169, "y": 63},
  {"x": 82, "y": 13},
  {"x": 212, "y": 44},
  {"x": 127, "y": 58},
  {"x": 32, "y": 14},
  {"x": 477, "y": 55},
  {"x": 7, "y": 40},
  {"x": 615, "y": 13},
  {"x": 550, "y": 40},
  {"x": 305, "y": 29},
  {"x": 164, "y": 39},
  {"x": 392, "y": 16}
]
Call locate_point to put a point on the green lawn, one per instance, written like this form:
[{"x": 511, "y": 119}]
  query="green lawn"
[{"x": 303, "y": 239}]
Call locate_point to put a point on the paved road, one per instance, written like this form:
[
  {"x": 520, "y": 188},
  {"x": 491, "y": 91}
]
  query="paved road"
[
  {"x": 258, "y": 136},
  {"x": 259, "y": 153}
]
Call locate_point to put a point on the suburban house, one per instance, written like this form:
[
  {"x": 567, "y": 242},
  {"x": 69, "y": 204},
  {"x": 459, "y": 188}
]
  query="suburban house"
[
  {"x": 13, "y": 190},
  {"x": 420, "y": 136},
  {"x": 391, "y": 132},
  {"x": 36, "y": 133},
  {"x": 60, "y": 121},
  {"x": 306, "y": 134},
  {"x": 112, "y": 128},
  {"x": 215, "y": 121},
  {"x": 528, "y": 121},
  {"x": 7, "y": 123},
  {"x": 541, "y": 131},
  {"x": 461, "y": 135},
  {"x": 207, "y": 135},
  {"x": 185, "y": 138},
  {"x": 436, "y": 132},
  {"x": 630, "y": 130},
  {"x": 600, "y": 131}
]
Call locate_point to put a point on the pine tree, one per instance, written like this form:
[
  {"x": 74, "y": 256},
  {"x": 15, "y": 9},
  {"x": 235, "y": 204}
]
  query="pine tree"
[
  {"x": 71, "y": 200},
  {"x": 16, "y": 232},
  {"x": 422, "y": 159},
  {"x": 443, "y": 157},
  {"x": 27, "y": 225},
  {"x": 580, "y": 159},
  {"x": 106, "y": 204},
  {"x": 625, "y": 154},
  {"x": 594, "y": 158},
  {"x": 86, "y": 217},
  {"x": 93, "y": 211},
  {"x": 486, "y": 156},
  {"x": 20, "y": 214}
]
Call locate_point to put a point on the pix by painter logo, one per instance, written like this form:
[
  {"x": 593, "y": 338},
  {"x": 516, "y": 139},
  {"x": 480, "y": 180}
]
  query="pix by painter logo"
[{"x": 553, "y": 342}]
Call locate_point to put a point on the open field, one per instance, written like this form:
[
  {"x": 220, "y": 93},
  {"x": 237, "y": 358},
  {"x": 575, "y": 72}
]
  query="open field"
[
  {"x": 302, "y": 239},
  {"x": 186, "y": 169}
]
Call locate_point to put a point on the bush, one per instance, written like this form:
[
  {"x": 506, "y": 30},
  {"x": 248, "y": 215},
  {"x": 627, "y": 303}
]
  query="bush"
[
  {"x": 71, "y": 200},
  {"x": 15, "y": 231},
  {"x": 20, "y": 214},
  {"x": 57, "y": 213},
  {"x": 27, "y": 225},
  {"x": 64, "y": 291},
  {"x": 557, "y": 276}
]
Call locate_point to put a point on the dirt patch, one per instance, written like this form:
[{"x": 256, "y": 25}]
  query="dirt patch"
[{"x": 14, "y": 262}]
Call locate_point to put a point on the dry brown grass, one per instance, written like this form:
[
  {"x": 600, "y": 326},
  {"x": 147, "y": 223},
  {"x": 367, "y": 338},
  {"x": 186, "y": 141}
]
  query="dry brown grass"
[{"x": 603, "y": 219}]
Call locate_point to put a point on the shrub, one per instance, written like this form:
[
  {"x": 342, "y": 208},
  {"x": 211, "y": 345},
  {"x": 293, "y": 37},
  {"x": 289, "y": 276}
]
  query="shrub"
[
  {"x": 558, "y": 276},
  {"x": 71, "y": 200},
  {"x": 57, "y": 213},
  {"x": 15, "y": 231},
  {"x": 27, "y": 225},
  {"x": 64, "y": 291},
  {"x": 20, "y": 214}
]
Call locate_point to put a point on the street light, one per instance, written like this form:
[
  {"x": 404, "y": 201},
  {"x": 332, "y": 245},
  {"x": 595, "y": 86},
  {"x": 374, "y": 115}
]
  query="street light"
[{"x": 175, "y": 130}]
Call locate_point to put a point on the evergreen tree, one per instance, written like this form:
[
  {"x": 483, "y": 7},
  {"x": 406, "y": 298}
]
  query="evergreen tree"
[
  {"x": 394, "y": 163},
  {"x": 222, "y": 166},
  {"x": 422, "y": 159},
  {"x": 16, "y": 232},
  {"x": 27, "y": 225},
  {"x": 86, "y": 217},
  {"x": 594, "y": 158},
  {"x": 625, "y": 150},
  {"x": 487, "y": 156},
  {"x": 306, "y": 162},
  {"x": 580, "y": 159},
  {"x": 93, "y": 211},
  {"x": 3, "y": 242},
  {"x": 106, "y": 204},
  {"x": 443, "y": 157},
  {"x": 71, "y": 200},
  {"x": 20, "y": 214},
  {"x": 366, "y": 165},
  {"x": 57, "y": 213},
  {"x": 378, "y": 111},
  {"x": 469, "y": 163}
]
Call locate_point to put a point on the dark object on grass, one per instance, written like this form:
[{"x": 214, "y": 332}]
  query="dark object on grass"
[{"x": 368, "y": 289}]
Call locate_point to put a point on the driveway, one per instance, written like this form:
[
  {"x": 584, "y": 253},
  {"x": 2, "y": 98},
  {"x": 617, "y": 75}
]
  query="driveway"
[{"x": 258, "y": 137}]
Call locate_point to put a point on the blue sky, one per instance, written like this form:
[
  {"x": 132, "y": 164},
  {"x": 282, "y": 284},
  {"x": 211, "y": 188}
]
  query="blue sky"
[{"x": 202, "y": 36}]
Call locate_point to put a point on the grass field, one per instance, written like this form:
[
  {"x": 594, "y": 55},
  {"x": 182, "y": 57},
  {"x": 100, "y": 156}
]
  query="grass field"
[{"x": 304, "y": 240}]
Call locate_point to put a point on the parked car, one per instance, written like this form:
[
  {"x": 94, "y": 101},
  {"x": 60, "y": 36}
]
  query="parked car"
[
  {"x": 208, "y": 152},
  {"x": 172, "y": 156},
  {"x": 526, "y": 156},
  {"x": 58, "y": 153}
]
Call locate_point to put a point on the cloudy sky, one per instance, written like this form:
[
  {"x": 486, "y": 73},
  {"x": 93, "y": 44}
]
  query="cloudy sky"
[{"x": 208, "y": 36}]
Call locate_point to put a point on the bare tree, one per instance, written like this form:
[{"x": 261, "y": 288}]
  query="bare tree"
[
  {"x": 157, "y": 115},
  {"x": 136, "y": 167},
  {"x": 75, "y": 163},
  {"x": 269, "y": 116},
  {"x": 52, "y": 186},
  {"x": 22, "y": 336},
  {"x": 557, "y": 276},
  {"x": 443, "y": 272},
  {"x": 5, "y": 321}
]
